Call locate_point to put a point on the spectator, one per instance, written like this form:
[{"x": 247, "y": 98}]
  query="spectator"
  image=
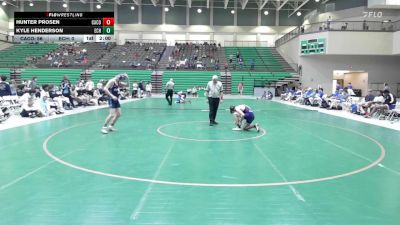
[
  {"x": 390, "y": 26},
  {"x": 226, "y": 68},
  {"x": 32, "y": 84},
  {"x": 89, "y": 87},
  {"x": 13, "y": 87},
  {"x": 240, "y": 88},
  {"x": 194, "y": 91},
  {"x": 252, "y": 64},
  {"x": 66, "y": 90},
  {"x": 241, "y": 63},
  {"x": 30, "y": 109},
  {"x": 350, "y": 89},
  {"x": 328, "y": 23},
  {"x": 148, "y": 89},
  {"x": 386, "y": 87},
  {"x": 46, "y": 109},
  {"x": 58, "y": 98},
  {"x": 5, "y": 88},
  {"x": 365, "y": 26},
  {"x": 135, "y": 87},
  {"x": 230, "y": 58},
  {"x": 344, "y": 26},
  {"x": 141, "y": 89},
  {"x": 388, "y": 104},
  {"x": 368, "y": 101}
]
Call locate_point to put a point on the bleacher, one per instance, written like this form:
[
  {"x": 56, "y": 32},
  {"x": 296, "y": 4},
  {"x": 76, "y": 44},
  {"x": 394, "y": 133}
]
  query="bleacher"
[
  {"x": 270, "y": 62},
  {"x": 187, "y": 79},
  {"x": 132, "y": 55},
  {"x": 76, "y": 58},
  {"x": 16, "y": 55},
  {"x": 134, "y": 75},
  {"x": 5, "y": 71},
  {"x": 51, "y": 76},
  {"x": 263, "y": 57},
  {"x": 249, "y": 78},
  {"x": 191, "y": 56}
]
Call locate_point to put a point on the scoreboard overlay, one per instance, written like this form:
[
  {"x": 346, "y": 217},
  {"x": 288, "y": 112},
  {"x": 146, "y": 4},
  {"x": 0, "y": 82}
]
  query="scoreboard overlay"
[{"x": 64, "y": 27}]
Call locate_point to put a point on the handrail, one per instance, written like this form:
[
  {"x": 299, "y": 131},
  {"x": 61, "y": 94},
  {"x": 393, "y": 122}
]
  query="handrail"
[
  {"x": 363, "y": 26},
  {"x": 287, "y": 37}
]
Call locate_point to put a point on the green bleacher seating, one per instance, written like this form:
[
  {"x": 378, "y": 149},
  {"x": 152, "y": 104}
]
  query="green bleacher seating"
[
  {"x": 15, "y": 56},
  {"x": 51, "y": 76},
  {"x": 134, "y": 75},
  {"x": 262, "y": 56},
  {"x": 187, "y": 79},
  {"x": 5, "y": 71}
]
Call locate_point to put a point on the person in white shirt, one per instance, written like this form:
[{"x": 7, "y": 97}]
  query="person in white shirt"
[
  {"x": 149, "y": 87},
  {"x": 169, "y": 91},
  {"x": 214, "y": 93},
  {"x": 31, "y": 109},
  {"x": 135, "y": 87},
  {"x": 89, "y": 87},
  {"x": 243, "y": 113}
]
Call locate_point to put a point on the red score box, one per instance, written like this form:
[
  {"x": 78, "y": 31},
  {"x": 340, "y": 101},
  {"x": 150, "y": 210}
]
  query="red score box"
[{"x": 108, "y": 21}]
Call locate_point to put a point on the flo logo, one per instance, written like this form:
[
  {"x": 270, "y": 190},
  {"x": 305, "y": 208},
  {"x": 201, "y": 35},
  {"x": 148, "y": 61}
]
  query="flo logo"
[{"x": 373, "y": 14}]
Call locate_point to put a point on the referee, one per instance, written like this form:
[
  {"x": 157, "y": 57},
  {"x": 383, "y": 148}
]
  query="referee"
[
  {"x": 169, "y": 89},
  {"x": 214, "y": 92}
]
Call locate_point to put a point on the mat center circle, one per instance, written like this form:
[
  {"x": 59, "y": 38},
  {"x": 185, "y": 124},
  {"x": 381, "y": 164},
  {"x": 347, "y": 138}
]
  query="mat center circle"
[{"x": 203, "y": 132}]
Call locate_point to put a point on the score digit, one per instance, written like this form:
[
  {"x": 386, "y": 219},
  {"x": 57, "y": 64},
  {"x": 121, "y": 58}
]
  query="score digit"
[
  {"x": 108, "y": 21},
  {"x": 108, "y": 30}
]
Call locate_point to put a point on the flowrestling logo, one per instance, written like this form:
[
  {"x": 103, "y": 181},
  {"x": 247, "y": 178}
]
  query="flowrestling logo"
[{"x": 373, "y": 14}]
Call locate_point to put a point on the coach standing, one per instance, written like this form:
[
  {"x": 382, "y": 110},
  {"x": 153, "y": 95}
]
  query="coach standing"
[{"x": 214, "y": 92}]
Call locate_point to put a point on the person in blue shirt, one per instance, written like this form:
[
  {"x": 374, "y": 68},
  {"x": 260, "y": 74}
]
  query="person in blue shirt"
[
  {"x": 308, "y": 96},
  {"x": 252, "y": 64},
  {"x": 349, "y": 86},
  {"x": 66, "y": 90},
  {"x": 344, "y": 95},
  {"x": 5, "y": 89},
  {"x": 317, "y": 98}
]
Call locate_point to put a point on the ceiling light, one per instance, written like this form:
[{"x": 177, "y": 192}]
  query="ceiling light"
[
  {"x": 132, "y": 7},
  {"x": 199, "y": 10},
  {"x": 4, "y": 3},
  {"x": 233, "y": 11},
  {"x": 30, "y": 4},
  {"x": 266, "y": 12},
  {"x": 98, "y": 6},
  {"x": 316, "y": 0},
  {"x": 65, "y": 5},
  {"x": 298, "y": 13},
  {"x": 166, "y": 9}
]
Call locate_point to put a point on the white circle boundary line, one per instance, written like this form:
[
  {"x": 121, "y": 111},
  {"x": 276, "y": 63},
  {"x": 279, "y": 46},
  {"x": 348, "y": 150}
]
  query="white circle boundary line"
[
  {"x": 263, "y": 132},
  {"x": 373, "y": 164}
]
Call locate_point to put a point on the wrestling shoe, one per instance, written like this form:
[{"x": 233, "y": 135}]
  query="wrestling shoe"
[
  {"x": 104, "y": 130},
  {"x": 111, "y": 128}
]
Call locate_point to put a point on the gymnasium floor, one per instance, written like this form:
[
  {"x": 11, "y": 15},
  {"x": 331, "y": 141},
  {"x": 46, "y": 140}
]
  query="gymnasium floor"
[{"x": 167, "y": 166}]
